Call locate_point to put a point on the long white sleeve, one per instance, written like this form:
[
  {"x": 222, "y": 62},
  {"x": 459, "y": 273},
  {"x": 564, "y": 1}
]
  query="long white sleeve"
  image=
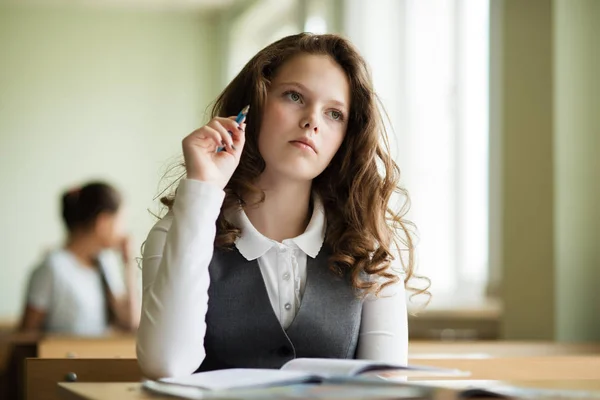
[
  {"x": 384, "y": 326},
  {"x": 176, "y": 256}
]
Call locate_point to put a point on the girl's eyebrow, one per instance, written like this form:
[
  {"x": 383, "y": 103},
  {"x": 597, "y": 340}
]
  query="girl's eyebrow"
[{"x": 338, "y": 103}]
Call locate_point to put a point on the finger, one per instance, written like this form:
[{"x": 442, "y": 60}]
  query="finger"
[
  {"x": 234, "y": 129},
  {"x": 237, "y": 133},
  {"x": 226, "y": 135},
  {"x": 239, "y": 139},
  {"x": 205, "y": 133},
  {"x": 229, "y": 124}
]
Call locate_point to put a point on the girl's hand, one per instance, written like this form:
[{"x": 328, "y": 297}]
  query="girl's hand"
[{"x": 203, "y": 162}]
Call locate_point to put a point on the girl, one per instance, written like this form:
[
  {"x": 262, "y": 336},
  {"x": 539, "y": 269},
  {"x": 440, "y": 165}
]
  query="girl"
[
  {"x": 77, "y": 289},
  {"x": 280, "y": 245}
]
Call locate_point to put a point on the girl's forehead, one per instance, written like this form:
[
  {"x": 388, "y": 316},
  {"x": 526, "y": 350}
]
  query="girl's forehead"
[{"x": 307, "y": 65}]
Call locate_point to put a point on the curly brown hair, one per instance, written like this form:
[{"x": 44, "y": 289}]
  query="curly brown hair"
[{"x": 356, "y": 187}]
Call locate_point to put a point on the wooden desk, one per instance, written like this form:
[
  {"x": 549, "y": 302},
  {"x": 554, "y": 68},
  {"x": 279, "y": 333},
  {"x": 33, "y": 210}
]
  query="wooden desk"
[
  {"x": 133, "y": 390},
  {"x": 485, "y": 349},
  {"x": 572, "y": 372},
  {"x": 14, "y": 348},
  {"x": 108, "y": 391},
  {"x": 522, "y": 368},
  {"x": 123, "y": 346},
  {"x": 10, "y": 341},
  {"x": 485, "y": 360},
  {"x": 43, "y": 374},
  {"x": 111, "y": 346}
]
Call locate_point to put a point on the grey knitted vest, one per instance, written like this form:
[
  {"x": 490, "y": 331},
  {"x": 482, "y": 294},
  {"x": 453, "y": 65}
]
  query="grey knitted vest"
[{"x": 242, "y": 330}]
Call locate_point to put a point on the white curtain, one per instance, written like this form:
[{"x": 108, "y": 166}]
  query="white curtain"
[{"x": 429, "y": 60}]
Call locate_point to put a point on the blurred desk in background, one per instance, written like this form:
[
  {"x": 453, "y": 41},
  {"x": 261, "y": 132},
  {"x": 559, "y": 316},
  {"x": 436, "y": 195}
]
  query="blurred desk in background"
[
  {"x": 426, "y": 349},
  {"x": 123, "y": 346},
  {"x": 15, "y": 348},
  {"x": 111, "y": 346},
  {"x": 43, "y": 374},
  {"x": 582, "y": 367},
  {"x": 96, "y": 360}
]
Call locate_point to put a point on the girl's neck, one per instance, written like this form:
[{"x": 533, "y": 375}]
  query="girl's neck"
[
  {"x": 286, "y": 211},
  {"x": 83, "y": 248}
]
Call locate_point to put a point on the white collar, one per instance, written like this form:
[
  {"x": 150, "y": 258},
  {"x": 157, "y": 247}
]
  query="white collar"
[{"x": 252, "y": 244}]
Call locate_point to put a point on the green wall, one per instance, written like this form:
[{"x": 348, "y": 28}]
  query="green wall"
[
  {"x": 577, "y": 169},
  {"x": 90, "y": 93},
  {"x": 549, "y": 135}
]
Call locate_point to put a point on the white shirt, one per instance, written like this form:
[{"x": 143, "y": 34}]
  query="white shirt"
[
  {"x": 282, "y": 265},
  {"x": 72, "y": 295},
  {"x": 175, "y": 275}
]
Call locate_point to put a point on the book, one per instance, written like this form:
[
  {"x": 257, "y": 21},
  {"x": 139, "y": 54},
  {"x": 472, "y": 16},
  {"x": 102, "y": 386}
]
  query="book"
[
  {"x": 302, "y": 370},
  {"x": 352, "y": 379},
  {"x": 353, "y": 391},
  {"x": 373, "y": 390}
]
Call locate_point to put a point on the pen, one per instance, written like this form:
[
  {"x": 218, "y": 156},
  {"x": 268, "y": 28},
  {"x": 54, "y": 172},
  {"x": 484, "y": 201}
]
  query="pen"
[{"x": 239, "y": 119}]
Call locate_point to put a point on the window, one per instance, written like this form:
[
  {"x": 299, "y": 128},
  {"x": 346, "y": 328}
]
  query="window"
[
  {"x": 261, "y": 24},
  {"x": 430, "y": 67}
]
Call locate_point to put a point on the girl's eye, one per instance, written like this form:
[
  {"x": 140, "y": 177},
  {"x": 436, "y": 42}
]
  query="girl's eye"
[
  {"x": 336, "y": 115},
  {"x": 294, "y": 96}
]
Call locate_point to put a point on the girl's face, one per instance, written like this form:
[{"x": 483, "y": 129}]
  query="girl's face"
[{"x": 305, "y": 117}]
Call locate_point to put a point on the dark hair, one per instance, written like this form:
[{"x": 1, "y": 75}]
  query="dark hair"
[
  {"x": 81, "y": 206},
  {"x": 364, "y": 233}
]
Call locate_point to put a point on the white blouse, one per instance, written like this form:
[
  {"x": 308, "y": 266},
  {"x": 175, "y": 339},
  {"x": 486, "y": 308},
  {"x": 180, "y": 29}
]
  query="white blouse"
[{"x": 175, "y": 275}]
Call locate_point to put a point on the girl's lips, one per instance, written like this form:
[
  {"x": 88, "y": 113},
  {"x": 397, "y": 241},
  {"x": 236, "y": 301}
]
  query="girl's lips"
[{"x": 305, "y": 144}]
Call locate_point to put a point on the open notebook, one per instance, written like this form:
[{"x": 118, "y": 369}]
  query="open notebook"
[{"x": 300, "y": 370}]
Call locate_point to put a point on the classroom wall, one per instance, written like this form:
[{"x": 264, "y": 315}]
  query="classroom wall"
[
  {"x": 527, "y": 183},
  {"x": 549, "y": 138},
  {"x": 577, "y": 169},
  {"x": 90, "y": 93}
]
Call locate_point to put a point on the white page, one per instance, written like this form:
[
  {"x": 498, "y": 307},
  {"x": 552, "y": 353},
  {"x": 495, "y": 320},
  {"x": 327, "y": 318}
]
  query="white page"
[
  {"x": 333, "y": 367},
  {"x": 328, "y": 367},
  {"x": 239, "y": 378},
  {"x": 184, "y": 392}
]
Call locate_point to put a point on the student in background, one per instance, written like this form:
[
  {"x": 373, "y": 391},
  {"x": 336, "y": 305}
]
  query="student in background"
[{"x": 78, "y": 289}]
